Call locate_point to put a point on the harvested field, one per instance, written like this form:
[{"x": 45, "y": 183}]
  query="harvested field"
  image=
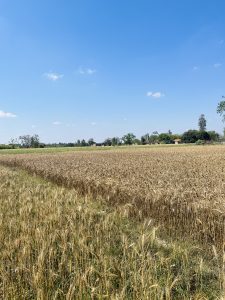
[{"x": 180, "y": 188}]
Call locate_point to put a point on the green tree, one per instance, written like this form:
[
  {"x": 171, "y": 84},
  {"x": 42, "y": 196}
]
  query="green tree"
[
  {"x": 214, "y": 136},
  {"x": 115, "y": 141},
  {"x": 28, "y": 141},
  {"x": 91, "y": 142},
  {"x": 203, "y": 135},
  {"x": 221, "y": 109},
  {"x": 202, "y": 123},
  {"x": 35, "y": 141},
  {"x": 78, "y": 143},
  {"x": 108, "y": 142},
  {"x": 83, "y": 143},
  {"x": 137, "y": 141},
  {"x": 145, "y": 139},
  {"x": 190, "y": 136},
  {"x": 129, "y": 139},
  {"x": 154, "y": 138},
  {"x": 25, "y": 141},
  {"x": 165, "y": 138}
]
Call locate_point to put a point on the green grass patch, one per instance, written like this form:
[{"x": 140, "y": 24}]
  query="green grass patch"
[{"x": 98, "y": 148}]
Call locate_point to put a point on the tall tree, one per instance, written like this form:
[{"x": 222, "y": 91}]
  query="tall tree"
[
  {"x": 202, "y": 123},
  {"x": 91, "y": 142},
  {"x": 108, "y": 142},
  {"x": 25, "y": 141},
  {"x": 35, "y": 141},
  {"x": 129, "y": 139},
  {"x": 221, "y": 109},
  {"x": 28, "y": 141},
  {"x": 145, "y": 139},
  {"x": 78, "y": 143},
  {"x": 83, "y": 143},
  {"x": 115, "y": 141},
  {"x": 153, "y": 138}
]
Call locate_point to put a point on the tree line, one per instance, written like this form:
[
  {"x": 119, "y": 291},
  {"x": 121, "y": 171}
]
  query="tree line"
[{"x": 200, "y": 136}]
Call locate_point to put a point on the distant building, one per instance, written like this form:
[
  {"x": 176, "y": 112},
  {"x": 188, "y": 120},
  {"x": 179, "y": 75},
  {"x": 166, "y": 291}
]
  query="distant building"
[{"x": 177, "y": 141}]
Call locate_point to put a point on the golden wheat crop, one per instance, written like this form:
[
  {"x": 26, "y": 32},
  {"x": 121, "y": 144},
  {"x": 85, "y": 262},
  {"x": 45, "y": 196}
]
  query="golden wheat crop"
[
  {"x": 55, "y": 244},
  {"x": 180, "y": 188}
]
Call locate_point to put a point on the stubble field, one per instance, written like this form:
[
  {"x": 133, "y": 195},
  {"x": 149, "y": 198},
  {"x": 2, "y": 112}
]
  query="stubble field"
[{"x": 123, "y": 224}]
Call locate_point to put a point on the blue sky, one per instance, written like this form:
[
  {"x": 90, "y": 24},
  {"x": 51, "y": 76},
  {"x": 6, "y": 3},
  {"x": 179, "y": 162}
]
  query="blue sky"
[{"x": 96, "y": 68}]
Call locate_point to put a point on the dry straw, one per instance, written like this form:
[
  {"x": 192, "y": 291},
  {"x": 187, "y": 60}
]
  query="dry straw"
[{"x": 110, "y": 237}]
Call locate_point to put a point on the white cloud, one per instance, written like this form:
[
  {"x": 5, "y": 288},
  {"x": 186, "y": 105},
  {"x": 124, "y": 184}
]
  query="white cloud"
[
  {"x": 195, "y": 68},
  {"x": 56, "y": 123},
  {"x": 91, "y": 71},
  {"x": 155, "y": 94},
  {"x": 53, "y": 76},
  {"x": 4, "y": 114},
  {"x": 87, "y": 71},
  {"x": 33, "y": 126},
  {"x": 93, "y": 123},
  {"x": 217, "y": 65}
]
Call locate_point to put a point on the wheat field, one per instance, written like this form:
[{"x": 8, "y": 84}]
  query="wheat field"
[{"x": 123, "y": 224}]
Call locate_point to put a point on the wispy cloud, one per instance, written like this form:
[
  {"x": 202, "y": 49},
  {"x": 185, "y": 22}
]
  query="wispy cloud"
[
  {"x": 195, "y": 68},
  {"x": 4, "y": 114},
  {"x": 56, "y": 123},
  {"x": 155, "y": 94},
  {"x": 217, "y": 65},
  {"x": 86, "y": 71},
  {"x": 53, "y": 76},
  {"x": 93, "y": 123}
]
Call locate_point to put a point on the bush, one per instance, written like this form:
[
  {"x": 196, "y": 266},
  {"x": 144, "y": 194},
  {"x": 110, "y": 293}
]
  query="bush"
[
  {"x": 165, "y": 138},
  {"x": 200, "y": 142},
  {"x": 3, "y": 146},
  {"x": 190, "y": 136},
  {"x": 193, "y": 136}
]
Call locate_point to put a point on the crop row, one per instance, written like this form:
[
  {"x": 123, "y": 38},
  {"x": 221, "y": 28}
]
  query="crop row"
[{"x": 181, "y": 188}]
